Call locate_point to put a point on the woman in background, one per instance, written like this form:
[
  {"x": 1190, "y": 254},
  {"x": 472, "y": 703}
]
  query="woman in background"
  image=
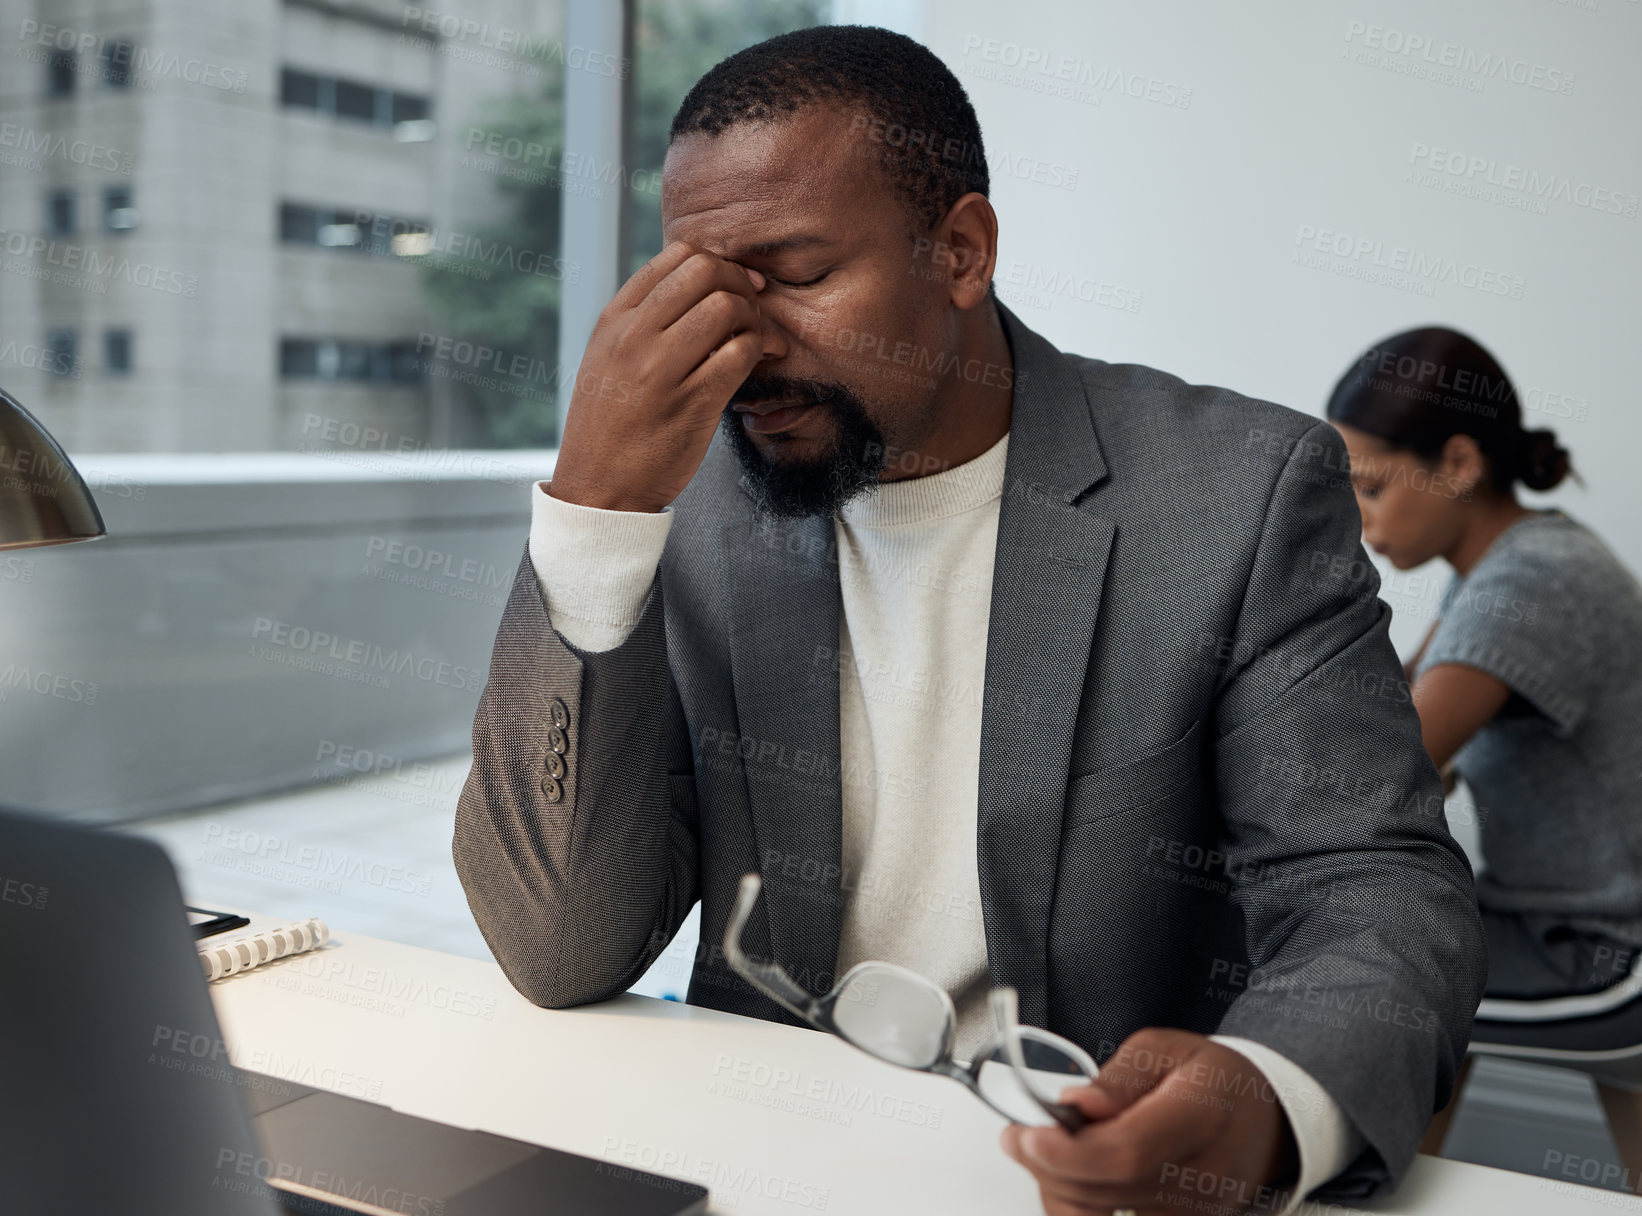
[{"x": 1530, "y": 681}]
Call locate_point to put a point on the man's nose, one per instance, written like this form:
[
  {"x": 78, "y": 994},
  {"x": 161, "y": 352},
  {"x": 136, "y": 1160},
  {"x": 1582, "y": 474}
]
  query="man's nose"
[{"x": 774, "y": 341}]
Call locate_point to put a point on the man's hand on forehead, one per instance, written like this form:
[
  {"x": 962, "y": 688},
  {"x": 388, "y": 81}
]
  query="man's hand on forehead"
[{"x": 664, "y": 358}]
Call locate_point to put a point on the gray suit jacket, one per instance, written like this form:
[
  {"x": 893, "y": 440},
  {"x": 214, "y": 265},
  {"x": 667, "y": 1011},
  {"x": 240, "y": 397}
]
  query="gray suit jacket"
[{"x": 1203, "y": 798}]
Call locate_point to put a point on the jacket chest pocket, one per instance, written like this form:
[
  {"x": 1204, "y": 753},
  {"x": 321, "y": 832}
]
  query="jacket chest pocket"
[{"x": 1153, "y": 778}]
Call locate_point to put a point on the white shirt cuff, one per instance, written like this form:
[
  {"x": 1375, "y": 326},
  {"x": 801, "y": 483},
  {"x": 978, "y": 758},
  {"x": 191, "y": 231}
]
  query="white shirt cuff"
[
  {"x": 595, "y": 566},
  {"x": 1326, "y": 1138}
]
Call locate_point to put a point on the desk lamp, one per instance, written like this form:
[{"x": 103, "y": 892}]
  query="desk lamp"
[{"x": 43, "y": 498}]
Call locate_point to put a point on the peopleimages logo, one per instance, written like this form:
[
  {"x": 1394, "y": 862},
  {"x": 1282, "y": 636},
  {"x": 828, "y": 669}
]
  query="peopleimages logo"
[
  {"x": 412, "y": 240},
  {"x": 23, "y": 894},
  {"x": 16, "y": 569},
  {"x": 1034, "y": 67},
  {"x": 1373, "y": 260},
  {"x": 509, "y": 41},
  {"x": 47, "y": 684},
  {"x": 1457, "y": 167},
  {"x": 140, "y": 64},
  {"x": 1039, "y": 286},
  {"x": 363, "y": 662},
  {"x": 509, "y": 156},
  {"x": 94, "y": 270},
  {"x": 1418, "y": 55},
  {"x": 729, "y": 1181},
  {"x": 1411, "y": 373},
  {"x": 52, "y": 146},
  {"x": 41, "y": 358}
]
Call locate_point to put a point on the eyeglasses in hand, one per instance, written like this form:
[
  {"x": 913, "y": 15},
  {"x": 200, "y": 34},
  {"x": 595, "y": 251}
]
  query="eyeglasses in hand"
[{"x": 905, "y": 1019}]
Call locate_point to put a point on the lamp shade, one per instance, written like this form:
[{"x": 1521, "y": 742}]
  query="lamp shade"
[{"x": 43, "y": 498}]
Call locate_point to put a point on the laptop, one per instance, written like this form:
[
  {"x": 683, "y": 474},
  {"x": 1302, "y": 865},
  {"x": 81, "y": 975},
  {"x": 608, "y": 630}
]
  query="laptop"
[{"x": 119, "y": 1096}]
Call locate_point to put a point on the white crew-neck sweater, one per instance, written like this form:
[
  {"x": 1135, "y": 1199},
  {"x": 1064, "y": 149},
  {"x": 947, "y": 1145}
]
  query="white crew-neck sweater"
[{"x": 915, "y": 568}]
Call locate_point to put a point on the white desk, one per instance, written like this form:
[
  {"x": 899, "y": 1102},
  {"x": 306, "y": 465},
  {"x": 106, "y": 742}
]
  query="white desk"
[{"x": 772, "y": 1119}]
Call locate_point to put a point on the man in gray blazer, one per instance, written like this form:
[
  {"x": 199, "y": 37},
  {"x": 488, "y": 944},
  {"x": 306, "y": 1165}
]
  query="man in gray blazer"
[{"x": 1012, "y": 666}]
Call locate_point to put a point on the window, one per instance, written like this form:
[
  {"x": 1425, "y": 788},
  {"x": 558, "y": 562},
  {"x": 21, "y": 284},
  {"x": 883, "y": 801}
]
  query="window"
[
  {"x": 62, "y": 352},
  {"x": 60, "y": 74},
  {"x": 298, "y": 359},
  {"x": 408, "y": 108},
  {"x": 118, "y": 213},
  {"x": 286, "y": 331},
  {"x": 299, "y": 225},
  {"x": 344, "y": 228},
  {"x": 355, "y": 101},
  {"x": 117, "y": 352},
  {"x": 299, "y": 90},
  {"x": 345, "y": 360},
  {"x": 406, "y": 114},
  {"x": 352, "y": 360},
  {"x": 116, "y": 56},
  {"x": 61, "y": 217}
]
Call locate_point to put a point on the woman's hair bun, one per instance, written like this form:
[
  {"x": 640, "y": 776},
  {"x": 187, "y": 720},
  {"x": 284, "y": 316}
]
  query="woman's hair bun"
[{"x": 1544, "y": 462}]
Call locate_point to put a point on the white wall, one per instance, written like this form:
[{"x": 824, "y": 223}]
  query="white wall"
[{"x": 1196, "y": 208}]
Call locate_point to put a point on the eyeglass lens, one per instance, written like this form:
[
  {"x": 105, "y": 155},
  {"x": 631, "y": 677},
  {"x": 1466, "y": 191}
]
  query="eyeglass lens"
[{"x": 897, "y": 1017}]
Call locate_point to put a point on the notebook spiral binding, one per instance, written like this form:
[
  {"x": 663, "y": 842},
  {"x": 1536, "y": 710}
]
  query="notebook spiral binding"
[{"x": 222, "y": 959}]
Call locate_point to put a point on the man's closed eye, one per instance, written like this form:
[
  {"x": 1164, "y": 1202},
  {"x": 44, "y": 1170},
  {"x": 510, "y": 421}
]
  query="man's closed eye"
[{"x": 805, "y": 283}]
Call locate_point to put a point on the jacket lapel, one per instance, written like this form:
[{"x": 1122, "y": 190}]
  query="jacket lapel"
[
  {"x": 781, "y": 586},
  {"x": 1046, "y": 588}
]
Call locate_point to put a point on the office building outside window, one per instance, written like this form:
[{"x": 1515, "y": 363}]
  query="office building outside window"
[
  {"x": 352, "y": 228},
  {"x": 354, "y": 100},
  {"x": 62, "y": 352},
  {"x": 302, "y": 90},
  {"x": 341, "y": 359},
  {"x": 60, "y": 72},
  {"x": 116, "y": 63},
  {"x": 62, "y": 213},
  {"x": 226, "y": 182},
  {"x": 119, "y": 211},
  {"x": 117, "y": 352}
]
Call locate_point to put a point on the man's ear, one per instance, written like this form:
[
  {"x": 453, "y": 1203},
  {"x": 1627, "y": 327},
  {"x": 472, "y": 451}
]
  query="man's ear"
[
  {"x": 1462, "y": 461},
  {"x": 969, "y": 234}
]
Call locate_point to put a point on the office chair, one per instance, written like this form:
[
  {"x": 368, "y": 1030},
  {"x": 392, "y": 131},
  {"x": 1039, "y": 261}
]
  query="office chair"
[{"x": 1599, "y": 1034}]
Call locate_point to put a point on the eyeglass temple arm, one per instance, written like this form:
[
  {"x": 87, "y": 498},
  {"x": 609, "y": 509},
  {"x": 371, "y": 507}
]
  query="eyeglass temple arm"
[
  {"x": 768, "y": 978},
  {"x": 1006, "y": 1022}
]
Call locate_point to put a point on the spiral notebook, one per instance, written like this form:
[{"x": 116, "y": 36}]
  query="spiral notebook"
[{"x": 221, "y": 958}]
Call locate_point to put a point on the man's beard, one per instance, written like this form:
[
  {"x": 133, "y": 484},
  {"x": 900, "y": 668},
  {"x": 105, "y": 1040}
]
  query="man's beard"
[{"x": 794, "y": 488}]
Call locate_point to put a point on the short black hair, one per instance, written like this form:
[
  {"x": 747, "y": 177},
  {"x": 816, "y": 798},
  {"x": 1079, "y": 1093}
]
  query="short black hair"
[
  {"x": 911, "y": 108},
  {"x": 1417, "y": 389}
]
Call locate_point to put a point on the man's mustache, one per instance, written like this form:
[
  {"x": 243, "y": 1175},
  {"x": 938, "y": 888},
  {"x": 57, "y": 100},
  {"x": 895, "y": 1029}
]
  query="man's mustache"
[{"x": 756, "y": 389}]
